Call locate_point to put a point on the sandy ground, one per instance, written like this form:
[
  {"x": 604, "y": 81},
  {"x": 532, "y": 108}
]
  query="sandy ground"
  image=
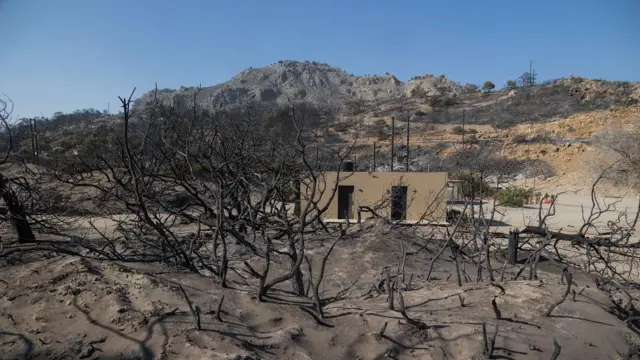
[{"x": 61, "y": 307}]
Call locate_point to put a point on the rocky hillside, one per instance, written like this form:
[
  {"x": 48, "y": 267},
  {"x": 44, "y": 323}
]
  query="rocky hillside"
[
  {"x": 312, "y": 82},
  {"x": 434, "y": 98},
  {"x": 549, "y": 101}
]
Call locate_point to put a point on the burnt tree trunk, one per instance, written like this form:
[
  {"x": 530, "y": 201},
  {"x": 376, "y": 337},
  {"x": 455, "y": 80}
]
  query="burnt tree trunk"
[
  {"x": 298, "y": 277},
  {"x": 15, "y": 210},
  {"x": 298, "y": 282}
]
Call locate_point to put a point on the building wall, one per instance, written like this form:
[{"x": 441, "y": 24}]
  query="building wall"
[{"x": 426, "y": 193}]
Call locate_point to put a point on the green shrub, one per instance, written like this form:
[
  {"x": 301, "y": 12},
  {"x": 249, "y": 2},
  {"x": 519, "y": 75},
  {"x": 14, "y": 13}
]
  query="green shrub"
[
  {"x": 457, "y": 130},
  {"x": 470, "y": 139},
  {"x": 488, "y": 86},
  {"x": 441, "y": 101},
  {"x": 511, "y": 85},
  {"x": 473, "y": 185},
  {"x": 514, "y": 196}
]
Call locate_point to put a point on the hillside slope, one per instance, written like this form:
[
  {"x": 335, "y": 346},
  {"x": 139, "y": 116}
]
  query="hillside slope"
[{"x": 439, "y": 99}]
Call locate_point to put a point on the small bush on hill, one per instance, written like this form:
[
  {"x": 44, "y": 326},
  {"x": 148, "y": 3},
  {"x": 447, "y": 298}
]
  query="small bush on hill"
[
  {"x": 379, "y": 129},
  {"x": 511, "y": 85},
  {"x": 519, "y": 139},
  {"x": 470, "y": 139},
  {"x": 450, "y": 101},
  {"x": 441, "y": 101},
  {"x": 341, "y": 127},
  {"x": 501, "y": 126},
  {"x": 458, "y": 130}
]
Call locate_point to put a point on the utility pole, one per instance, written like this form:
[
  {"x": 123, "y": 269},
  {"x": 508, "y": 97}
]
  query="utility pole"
[
  {"x": 34, "y": 150},
  {"x": 526, "y": 167},
  {"x": 374, "y": 156},
  {"x": 393, "y": 135},
  {"x": 531, "y": 79},
  {"x": 429, "y": 159},
  {"x": 463, "y": 116},
  {"x": 406, "y": 167}
]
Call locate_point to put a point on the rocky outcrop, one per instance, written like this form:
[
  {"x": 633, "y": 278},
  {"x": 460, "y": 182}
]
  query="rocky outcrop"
[{"x": 306, "y": 81}]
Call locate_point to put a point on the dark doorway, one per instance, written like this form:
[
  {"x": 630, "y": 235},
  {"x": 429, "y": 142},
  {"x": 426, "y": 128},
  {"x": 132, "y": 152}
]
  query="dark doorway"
[
  {"x": 398, "y": 203},
  {"x": 345, "y": 201}
]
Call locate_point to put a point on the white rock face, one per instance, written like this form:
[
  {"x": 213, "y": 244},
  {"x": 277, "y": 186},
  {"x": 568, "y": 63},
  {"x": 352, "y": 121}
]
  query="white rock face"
[{"x": 309, "y": 81}]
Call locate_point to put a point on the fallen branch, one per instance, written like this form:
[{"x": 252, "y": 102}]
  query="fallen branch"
[
  {"x": 488, "y": 344},
  {"x": 381, "y": 332},
  {"x": 389, "y": 289},
  {"x": 569, "y": 278},
  {"x": 504, "y": 267},
  {"x": 219, "y": 309},
  {"x": 502, "y": 290},
  {"x": 556, "y": 350},
  {"x": 496, "y": 311},
  {"x": 417, "y": 323},
  {"x": 194, "y": 311},
  {"x": 577, "y": 238},
  {"x": 251, "y": 270},
  {"x": 485, "y": 340}
]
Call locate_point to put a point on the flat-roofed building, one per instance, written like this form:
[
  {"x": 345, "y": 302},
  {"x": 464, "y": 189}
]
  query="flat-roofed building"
[{"x": 400, "y": 196}]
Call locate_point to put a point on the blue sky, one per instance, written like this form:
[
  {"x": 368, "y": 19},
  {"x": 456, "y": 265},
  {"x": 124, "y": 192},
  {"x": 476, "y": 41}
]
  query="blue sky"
[{"x": 67, "y": 54}]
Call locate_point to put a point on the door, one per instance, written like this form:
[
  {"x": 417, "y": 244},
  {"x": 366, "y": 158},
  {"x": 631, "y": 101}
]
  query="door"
[
  {"x": 345, "y": 201},
  {"x": 398, "y": 203}
]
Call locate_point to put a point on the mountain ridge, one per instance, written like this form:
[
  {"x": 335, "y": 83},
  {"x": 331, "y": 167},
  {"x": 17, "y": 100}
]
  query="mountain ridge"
[
  {"x": 310, "y": 81},
  {"x": 437, "y": 97}
]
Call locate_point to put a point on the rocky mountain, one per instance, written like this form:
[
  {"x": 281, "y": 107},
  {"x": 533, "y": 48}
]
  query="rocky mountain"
[
  {"x": 433, "y": 98},
  {"x": 311, "y": 82}
]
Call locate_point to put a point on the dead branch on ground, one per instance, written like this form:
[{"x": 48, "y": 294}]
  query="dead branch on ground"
[{"x": 569, "y": 278}]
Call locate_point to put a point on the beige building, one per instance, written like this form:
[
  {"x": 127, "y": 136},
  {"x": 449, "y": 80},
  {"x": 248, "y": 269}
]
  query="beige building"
[{"x": 403, "y": 196}]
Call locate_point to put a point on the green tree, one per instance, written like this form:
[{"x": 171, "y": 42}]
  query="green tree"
[
  {"x": 474, "y": 185},
  {"x": 511, "y": 85},
  {"x": 488, "y": 86},
  {"x": 471, "y": 88},
  {"x": 528, "y": 79}
]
